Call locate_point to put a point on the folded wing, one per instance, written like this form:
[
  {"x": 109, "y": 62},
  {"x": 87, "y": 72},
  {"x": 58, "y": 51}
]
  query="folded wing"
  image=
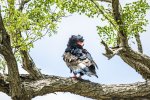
[{"x": 77, "y": 65}]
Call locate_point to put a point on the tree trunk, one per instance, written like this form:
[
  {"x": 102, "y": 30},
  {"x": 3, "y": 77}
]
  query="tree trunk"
[{"x": 15, "y": 87}]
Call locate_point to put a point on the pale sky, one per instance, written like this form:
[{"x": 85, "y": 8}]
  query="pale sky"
[{"x": 47, "y": 54}]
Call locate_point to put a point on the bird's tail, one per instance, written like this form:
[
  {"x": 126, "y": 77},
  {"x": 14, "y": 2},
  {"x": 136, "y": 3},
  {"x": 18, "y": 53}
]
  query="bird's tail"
[{"x": 96, "y": 76}]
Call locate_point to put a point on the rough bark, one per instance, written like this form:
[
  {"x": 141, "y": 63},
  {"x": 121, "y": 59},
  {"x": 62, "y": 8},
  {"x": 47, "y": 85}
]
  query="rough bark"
[
  {"x": 52, "y": 84},
  {"x": 123, "y": 42},
  {"x": 4, "y": 86},
  {"x": 138, "y": 61},
  {"x": 89, "y": 89},
  {"x": 29, "y": 65},
  {"x": 139, "y": 44},
  {"x": 15, "y": 86}
]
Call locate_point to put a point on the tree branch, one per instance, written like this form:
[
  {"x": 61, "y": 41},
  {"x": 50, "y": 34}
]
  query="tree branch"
[
  {"x": 138, "y": 61},
  {"x": 5, "y": 46},
  {"x": 3, "y": 33},
  {"x": 123, "y": 42},
  {"x": 29, "y": 66},
  {"x": 86, "y": 88},
  {"x": 4, "y": 87},
  {"x": 52, "y": 84},
  {"x": 28, "y": 63},
  {"x": 139, "y": 44},
  {"x": 23, "y": 2},
  {"x": 110, "y": 52},
  {"x": 102, "y": 12}
]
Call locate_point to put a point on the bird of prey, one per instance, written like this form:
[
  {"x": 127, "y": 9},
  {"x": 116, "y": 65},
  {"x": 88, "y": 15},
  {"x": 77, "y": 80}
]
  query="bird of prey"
[{"x": 78, "y": 59}]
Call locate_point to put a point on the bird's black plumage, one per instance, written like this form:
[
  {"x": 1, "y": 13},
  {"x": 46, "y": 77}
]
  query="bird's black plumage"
[{"x": 78, "y": 59}]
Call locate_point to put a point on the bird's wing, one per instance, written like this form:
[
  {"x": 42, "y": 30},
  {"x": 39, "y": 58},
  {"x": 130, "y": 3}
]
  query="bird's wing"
[
  {"x": 90, "y": 58},
  {"x": 71, "y": 60},
  {"x": 86, "y": 66}
]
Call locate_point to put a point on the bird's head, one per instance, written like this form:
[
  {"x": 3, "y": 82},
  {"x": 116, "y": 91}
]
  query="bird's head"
[{"x": 75, "y": 40}]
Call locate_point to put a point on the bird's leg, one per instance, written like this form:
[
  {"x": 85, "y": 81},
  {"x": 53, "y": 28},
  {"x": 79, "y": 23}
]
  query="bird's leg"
[{"x": 74, "y": 76}]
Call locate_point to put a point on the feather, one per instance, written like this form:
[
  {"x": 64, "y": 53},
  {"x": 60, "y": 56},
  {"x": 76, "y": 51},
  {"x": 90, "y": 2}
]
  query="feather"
[
  {"x": 79, "y": 60},
  {"x": 90, "y": 57},
  {"x": 76, "y": 65}
]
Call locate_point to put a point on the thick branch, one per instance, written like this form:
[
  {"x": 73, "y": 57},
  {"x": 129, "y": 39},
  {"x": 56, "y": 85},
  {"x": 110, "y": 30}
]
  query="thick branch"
[
  {"x": 123, "y": 42},
  {"x": 52, "y": 84},
  {"x": 3, "y": 33},
  {"x": 139, "y": 44},
  {"x": 122, "y": 37},
  {"x": 6, "y": 51},
  {"x": 138, "y": 61},
  {"x": 4, "y": 87},
  {"x": 89, "y": 89},
  {"x": 29, "y": 66}
]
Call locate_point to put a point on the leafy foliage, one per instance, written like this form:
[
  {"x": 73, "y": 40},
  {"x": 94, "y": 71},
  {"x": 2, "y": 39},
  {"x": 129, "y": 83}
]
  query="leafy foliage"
[
  {"x": 80, "y": 6},
  {"x": 37, "y": 19},
  {"x": 133, "y": 16},
  {"x": 108, "y": 34},
  {"x": 25, "y": 26},
  {"x": 92, "y": 9},
  {"x": 40, "y": 17}
]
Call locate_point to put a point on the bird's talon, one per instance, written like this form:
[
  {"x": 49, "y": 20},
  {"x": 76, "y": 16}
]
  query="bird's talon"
[{"x": 74, "y": 77}]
